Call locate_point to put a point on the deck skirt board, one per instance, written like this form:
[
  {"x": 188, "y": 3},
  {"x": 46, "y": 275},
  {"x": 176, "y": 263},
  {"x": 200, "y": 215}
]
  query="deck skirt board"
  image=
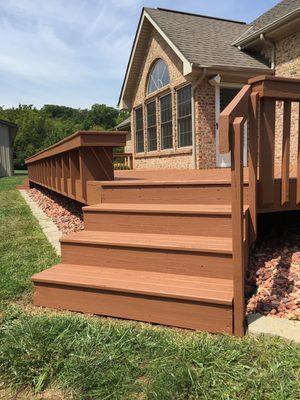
[{"x": 166, "y": 311}]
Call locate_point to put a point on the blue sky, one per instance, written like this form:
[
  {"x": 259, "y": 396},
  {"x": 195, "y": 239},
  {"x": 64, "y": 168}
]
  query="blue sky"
[{"x": 75, "y": 52}]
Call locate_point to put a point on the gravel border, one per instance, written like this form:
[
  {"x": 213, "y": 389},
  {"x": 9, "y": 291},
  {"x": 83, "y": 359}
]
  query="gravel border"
[{"x": 50, "y": 230}]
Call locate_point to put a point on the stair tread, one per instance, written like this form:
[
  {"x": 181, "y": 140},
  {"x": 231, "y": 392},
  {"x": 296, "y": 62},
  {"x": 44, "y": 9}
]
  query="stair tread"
[
  {"x": 215, "y": 209},
  {"x": 209, "y": 244},
  {"x": 219, "y": 291}
]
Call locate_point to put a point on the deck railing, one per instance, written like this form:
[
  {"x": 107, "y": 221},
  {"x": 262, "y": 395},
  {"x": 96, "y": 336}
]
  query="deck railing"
[
  {"x": 69, "y": 166},
  {"x": 123, "y": 160},
  {"x": 257, "y": 104}
]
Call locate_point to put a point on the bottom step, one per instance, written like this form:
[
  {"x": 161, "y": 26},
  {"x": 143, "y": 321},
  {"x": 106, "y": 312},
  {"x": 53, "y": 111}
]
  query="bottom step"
[{"x": 168, "y": 299}]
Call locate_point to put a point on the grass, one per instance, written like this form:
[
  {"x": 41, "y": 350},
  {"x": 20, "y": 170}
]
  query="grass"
[
  {"x": 88, "y": 357},
  {"x": 23, "y": 247}
]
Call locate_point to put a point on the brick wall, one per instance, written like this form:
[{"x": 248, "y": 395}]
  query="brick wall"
[
  {"x": 287, "y": 65},
  {"x": 205, "y": 125}
]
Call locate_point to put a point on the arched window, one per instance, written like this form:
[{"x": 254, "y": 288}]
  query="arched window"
[{"x": 159, "y": 76}]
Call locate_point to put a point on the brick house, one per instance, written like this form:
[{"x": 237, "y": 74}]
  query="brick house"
[{"x": 185, "y": 68}]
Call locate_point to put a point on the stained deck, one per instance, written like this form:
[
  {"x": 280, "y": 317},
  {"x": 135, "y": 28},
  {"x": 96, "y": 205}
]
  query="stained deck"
[{"x": 177, "y": 226}]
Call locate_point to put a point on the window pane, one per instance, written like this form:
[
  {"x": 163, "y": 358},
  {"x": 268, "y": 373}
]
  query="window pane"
[
  {"x": 166, "y": 122},
  {"x": 185, "y": 132},
  {"x": 184, "y": 101},
  {"x": 184, "y": 111},
  {"x": 151, "y": 126},
  {"x": 139, "y": 130},
  {"x": 159, "y": 76},
  {"x": 166, "y": 108},
  {"x": 166, "y": 136}
]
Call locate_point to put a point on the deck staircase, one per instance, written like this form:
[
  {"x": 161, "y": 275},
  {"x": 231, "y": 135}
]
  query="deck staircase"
[{"x": 156, "y": 262}]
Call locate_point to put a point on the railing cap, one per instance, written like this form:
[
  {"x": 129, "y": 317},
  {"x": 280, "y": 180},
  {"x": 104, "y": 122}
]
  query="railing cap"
[
  {"x": 276, "y": 87},
  {"x": 81, "y": 139},
  {"x": 273, "y": 78}
]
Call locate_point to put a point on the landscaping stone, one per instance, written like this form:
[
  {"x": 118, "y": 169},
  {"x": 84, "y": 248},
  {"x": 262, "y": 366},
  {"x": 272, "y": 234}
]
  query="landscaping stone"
[
  {"x": 49, "y": 228},
  {"x": 273, "y": 277},
  {"x": 64, "y": 212},
  {"x": 259, "y": 324}
]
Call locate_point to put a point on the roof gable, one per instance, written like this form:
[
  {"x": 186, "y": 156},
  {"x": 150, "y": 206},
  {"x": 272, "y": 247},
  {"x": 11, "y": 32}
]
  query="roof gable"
[
  {"x": 146, "y": 24},
  {"x": 199, "y": 41}
]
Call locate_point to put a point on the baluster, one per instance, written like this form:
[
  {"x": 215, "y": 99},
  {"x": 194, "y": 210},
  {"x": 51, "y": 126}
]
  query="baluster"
[
  {"x": 285, "y": 163},
  {"x": 74, "y": 170},
  {"x": 298, "y": 161},
  {"x": 266, "y": 151}
]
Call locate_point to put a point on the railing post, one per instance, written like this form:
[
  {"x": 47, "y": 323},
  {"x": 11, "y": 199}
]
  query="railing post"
[
  {"x": 252, "y": 164},
  {"x": 237, "y": 189}
]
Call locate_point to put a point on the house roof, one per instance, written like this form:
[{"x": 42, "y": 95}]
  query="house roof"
[
  {"x": 198, "y": 40},
  {"x": 9, "y": 124},
  {"x": 124, "y": 124},
  {"x": 276, "y": 14},
  {"x": 205, "y": 41}
]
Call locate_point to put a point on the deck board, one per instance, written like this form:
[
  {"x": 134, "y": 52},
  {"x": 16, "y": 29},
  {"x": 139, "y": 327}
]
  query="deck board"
[{"x": 149, "y": 283}]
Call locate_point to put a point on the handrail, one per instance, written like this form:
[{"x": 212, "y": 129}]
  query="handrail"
[
  {"x": 255, "y": 105},
  {"x": 70, "y": 166},
  {"x": 236, "y": 108},
  {"x": 81, "y": 139},
  {"x": 126, "y": 160}
]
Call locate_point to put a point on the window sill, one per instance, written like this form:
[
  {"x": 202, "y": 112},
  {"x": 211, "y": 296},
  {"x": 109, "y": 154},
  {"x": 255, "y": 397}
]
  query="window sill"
[{"x": 165, "y": 153}]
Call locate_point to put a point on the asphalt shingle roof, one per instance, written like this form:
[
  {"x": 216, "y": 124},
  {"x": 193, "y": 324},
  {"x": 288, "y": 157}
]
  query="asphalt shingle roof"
[
  {"x": 206, "y": 41},
  {"x": 280, "y": 10}
]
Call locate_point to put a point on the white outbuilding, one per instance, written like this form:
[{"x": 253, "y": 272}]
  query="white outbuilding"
[{"x": 7, "y": 134}]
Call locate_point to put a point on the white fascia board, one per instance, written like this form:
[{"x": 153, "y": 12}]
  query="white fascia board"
[
  {"x": 122, "y": 104},
  {"x": 267, "y": 28}
]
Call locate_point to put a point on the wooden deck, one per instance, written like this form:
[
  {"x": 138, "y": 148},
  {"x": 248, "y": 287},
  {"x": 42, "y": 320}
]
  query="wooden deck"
[{"x": 171, "y": 246}]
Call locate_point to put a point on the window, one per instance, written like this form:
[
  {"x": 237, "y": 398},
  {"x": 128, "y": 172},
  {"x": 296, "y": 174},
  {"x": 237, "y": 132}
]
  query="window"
[
  {"x": 166, "y": 122},
  {"x": 139, "y": 130},
  {"x": 151, "y": 126},
  {"x": 159, "y": 76},
  {"x": 184, "y": 113},
  {"x": 226, "y": 95}
]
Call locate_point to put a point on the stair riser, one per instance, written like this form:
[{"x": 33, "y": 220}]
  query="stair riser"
[
  {"x": 164, "y": 194},
  {"x": 180, "y": 313},
  {"x": 179, "y": 224},
  {"x": 145, "y": 259}
]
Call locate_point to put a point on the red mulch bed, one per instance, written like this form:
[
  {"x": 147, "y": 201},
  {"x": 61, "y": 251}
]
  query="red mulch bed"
[
  {"x": 64, "y": 212},
  {"x": 273, "y": 279}
]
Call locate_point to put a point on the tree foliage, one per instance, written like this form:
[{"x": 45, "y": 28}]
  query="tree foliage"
[{"x": 40, "y": 128}]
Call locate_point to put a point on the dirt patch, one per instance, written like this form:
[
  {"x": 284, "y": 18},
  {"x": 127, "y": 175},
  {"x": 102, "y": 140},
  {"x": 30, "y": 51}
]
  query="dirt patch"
[{"x": 49, "y": 394}]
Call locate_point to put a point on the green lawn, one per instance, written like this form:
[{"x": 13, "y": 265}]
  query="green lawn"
[{"x": 100, "y": 358}]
